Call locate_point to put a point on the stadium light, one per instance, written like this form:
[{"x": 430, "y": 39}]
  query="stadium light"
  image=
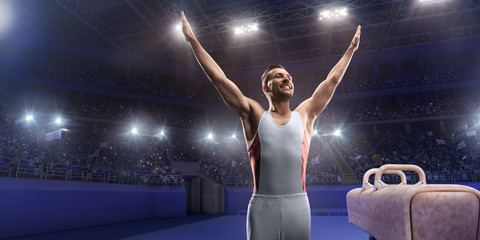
[
  {"x": 178, "y": 27},
  {"x": 210, "y": 136},
  {"x": 248, "y": 28},
  {"x": 162, "y": 133},
  {"x": 29, "y": 117},
  {"x": 234, "y": 136},
  {"x": 337, "y": 133},
  {"x": 430, "y": 1},
  {"x": 58, "y": 120},
  {"x": 134, "y": 131},
  {"x": 333, "y": 13},
  {"x": 177, "y": 30},
  {"x": 315, "y": 132}
]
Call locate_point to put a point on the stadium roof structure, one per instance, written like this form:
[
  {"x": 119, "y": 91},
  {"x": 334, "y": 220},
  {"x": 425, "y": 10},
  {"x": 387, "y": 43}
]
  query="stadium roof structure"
[{"x": 141, "y": 31}]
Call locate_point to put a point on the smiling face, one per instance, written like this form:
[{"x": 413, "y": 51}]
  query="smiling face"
[{"x": 278, "y": 83}]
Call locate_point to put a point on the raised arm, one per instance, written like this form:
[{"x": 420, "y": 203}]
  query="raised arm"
[
  {"x": 230, "y": 93},
  {"x": 324, "y": 92}
]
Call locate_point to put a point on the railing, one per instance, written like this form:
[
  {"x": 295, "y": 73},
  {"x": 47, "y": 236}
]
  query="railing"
[
  {"x": 237, "y": 181},
  {"x": 6, "y": 167},
  {"x": 432, "y": 177},
  {"x": 24, "y": 168}
]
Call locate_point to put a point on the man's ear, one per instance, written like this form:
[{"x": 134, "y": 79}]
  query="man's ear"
[{"x": 265, "y": 88}]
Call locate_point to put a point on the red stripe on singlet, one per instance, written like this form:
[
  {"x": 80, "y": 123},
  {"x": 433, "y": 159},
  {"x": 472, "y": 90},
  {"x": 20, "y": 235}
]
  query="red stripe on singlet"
[
  {"x": 254, "y": 154},
  {"x": 304, "y": 159}
]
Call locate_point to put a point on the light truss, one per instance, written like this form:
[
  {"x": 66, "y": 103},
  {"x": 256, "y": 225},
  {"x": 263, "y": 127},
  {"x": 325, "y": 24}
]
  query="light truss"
[
  {"x": 214, "y": 23},
  {"x": 149, "y": 18},
  {"x": 96, "y": 24},
  {"x": 265, "y": 13},
  {"x": 45, "y": 29}
]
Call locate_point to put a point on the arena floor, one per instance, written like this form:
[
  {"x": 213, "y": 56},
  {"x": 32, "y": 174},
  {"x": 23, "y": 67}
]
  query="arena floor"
[{"x": 199, "y": 227}]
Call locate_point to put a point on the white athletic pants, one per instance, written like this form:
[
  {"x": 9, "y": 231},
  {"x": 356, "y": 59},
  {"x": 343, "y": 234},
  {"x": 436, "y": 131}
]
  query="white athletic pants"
[{"x": 279, "y": 217}]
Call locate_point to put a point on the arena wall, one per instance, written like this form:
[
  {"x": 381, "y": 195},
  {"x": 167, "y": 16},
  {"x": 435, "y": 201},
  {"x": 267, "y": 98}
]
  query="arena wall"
[{"x": 29, "y": 206}]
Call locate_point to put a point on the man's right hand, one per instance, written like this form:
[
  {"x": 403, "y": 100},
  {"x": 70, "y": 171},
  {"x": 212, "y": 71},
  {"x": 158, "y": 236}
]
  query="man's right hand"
[{"x": 186, "y": 29}]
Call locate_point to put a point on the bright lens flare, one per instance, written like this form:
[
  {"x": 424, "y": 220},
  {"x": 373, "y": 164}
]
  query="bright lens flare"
[
  {"x": 134, "y": 131},
  {"x": 252, "y": 27},
  {"x": 430, "y": 1},
  {"x": 334, "y": 13},
  {"x": 5, "y": 16},
  {"x": 337, "y": 133}
]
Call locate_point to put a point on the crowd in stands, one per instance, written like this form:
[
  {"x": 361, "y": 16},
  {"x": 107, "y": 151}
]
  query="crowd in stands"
[
  {"x": 72, "y": 74},
  {"x": 373, "y": 113},
  {"x": 146, "y": 85},
  {"x": 26, "y": 153},
  {"x": 146, "y": 160},
  {"x": 352, "y": 85},
  {"x": 219, "y": 163},
  {"x": 425, "y": 77},
  {"x": 409, "y": 108},
  {"x": 116, "y": 111},
  {"x": 468, "y": 104},
  {"x": 404, "y": 79},
  {"x": 232, "y": 165},
  {"x": 331, "y": 115},
  {"x": 429, "y": 107},
  {"x": 109, "y": 158},
  {"x": 444, "y": 157},
  {"x": 179, "y": 118},
  {"x": 124, "y": 159},
  {"x": 150, "y": 87},
  {"x": 437, "y": 153}
]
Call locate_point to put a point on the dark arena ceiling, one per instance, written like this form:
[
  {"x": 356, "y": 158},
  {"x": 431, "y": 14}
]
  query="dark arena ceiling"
[{"x": 142, "y": 32}]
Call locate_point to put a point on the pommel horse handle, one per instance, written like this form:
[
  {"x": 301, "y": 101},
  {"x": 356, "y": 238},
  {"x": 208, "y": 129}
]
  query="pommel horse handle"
[
  {"x": 366, "y": 184},
  {"x": 402, "y": 167}
]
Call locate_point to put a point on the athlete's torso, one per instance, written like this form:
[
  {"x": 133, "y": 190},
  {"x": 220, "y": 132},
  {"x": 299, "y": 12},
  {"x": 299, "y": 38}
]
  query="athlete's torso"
[{"x": 279, "y": 156}]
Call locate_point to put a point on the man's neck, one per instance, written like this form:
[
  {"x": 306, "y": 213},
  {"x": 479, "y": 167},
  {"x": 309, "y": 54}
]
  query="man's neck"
[{"x": 280, "y": 108}]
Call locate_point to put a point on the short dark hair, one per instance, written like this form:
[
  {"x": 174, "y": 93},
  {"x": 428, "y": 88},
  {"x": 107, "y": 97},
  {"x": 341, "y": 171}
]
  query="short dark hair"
[{"x": 264, "y": 75}]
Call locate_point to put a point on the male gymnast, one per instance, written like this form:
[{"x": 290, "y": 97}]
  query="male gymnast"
[{"x": 277, "y": 141}]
